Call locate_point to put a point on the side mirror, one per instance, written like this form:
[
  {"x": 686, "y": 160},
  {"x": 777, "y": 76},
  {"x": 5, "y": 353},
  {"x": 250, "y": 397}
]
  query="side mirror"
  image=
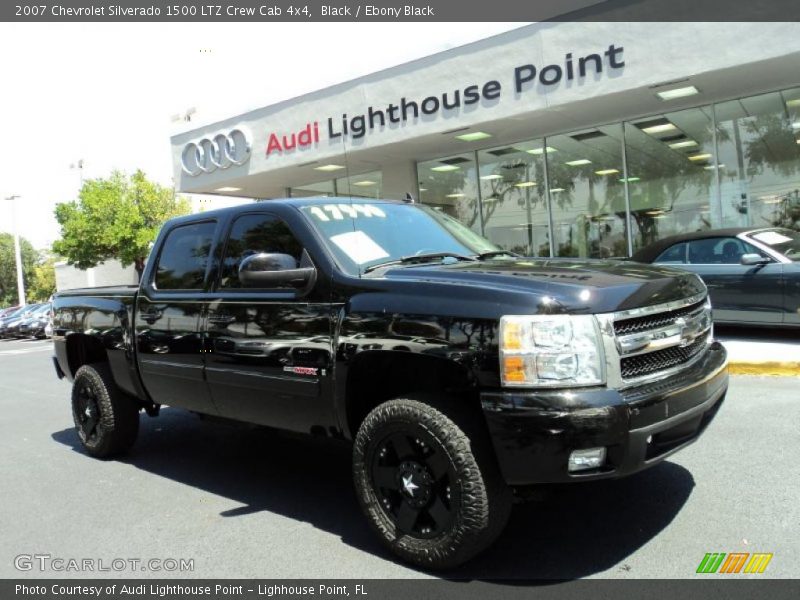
[
  {"x": 273, "y": 270},
  {"x": 753, "y": 259}
]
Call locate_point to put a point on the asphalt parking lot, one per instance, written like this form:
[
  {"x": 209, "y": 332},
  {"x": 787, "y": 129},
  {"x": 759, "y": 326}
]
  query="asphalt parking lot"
[{"x": 253, "y": 503}]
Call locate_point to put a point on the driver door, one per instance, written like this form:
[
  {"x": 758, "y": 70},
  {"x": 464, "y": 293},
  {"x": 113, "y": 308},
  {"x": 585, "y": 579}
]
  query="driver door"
[{"x": 268, "y": 351}]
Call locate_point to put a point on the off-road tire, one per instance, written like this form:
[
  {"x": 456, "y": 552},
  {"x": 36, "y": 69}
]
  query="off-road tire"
[
  {"x": 481, "y": 501},
  {"x": 106, "y": 418}
]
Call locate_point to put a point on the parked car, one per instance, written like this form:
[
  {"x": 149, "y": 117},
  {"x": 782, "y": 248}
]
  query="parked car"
[
  {"x": 34, "y": 326},
  {"x": 753, "y": 275},
  {"x": 460, "y": 373},
  {"x": 4, "y": 312},
  {"x": 10, "y": 326}
]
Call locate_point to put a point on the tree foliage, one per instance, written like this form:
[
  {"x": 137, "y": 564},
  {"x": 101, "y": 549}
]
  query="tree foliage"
[
  {"x": 117, "y": 217},
  {"x": 8, "y": 269},
  {"x": 42, "y": 281}
]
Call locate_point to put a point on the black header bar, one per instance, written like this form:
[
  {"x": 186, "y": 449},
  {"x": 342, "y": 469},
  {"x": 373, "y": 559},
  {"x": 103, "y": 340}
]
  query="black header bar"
[
  {"x": 391, "y": 589},
  {"x": 397, "y": 11}
]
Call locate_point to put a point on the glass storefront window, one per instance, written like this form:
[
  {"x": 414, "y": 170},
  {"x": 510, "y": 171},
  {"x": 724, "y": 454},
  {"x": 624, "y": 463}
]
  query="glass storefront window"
[
  {"x": 366, "y": 185},
  {"x": 322, "y": 188},
  {"x": 680, "y": 174},
  {"x": 514, "y": 198},
  {"x": 449, "y": 184},
  {"x": 671, "y": 178},
  {"x": 587, "y": 192},
  {"x": 759, "y": 155}
]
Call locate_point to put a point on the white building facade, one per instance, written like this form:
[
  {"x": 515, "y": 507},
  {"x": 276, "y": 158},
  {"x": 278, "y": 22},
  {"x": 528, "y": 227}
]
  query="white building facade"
[{"x": 563, "y": 139}]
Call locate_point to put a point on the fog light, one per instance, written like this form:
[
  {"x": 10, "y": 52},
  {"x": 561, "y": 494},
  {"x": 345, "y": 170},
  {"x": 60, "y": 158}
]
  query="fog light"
[{"x": 591, "y": 458}]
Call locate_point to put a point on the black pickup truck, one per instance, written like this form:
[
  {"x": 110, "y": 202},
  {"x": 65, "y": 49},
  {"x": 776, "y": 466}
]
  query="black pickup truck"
[{"x": 461, "y": 373}]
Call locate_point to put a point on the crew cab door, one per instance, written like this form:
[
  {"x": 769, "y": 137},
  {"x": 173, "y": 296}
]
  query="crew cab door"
[
  {"x": 168, "y": 314},
  {"x": 268, "y": 349}
]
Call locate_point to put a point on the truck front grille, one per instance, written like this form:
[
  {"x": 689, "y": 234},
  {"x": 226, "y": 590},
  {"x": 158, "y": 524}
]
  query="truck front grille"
[
  {"x": 660, "y": 360},
  {"x": 645, "y": 323},
  {"x": 660, "y": 339}
]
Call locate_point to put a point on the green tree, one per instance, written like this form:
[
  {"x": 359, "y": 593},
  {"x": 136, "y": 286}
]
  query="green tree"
[
  {"x": 118, "y": 217},
  {"x": 42, "y": 281},
  {"x": 8, "y": 269}
]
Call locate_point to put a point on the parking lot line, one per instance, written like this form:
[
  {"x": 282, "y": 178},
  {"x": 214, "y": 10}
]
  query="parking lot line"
[{"x": 776, "y": 369}]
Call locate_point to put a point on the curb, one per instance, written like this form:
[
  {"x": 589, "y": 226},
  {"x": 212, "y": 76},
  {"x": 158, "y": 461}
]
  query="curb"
[{"x": 770, "y": 368}]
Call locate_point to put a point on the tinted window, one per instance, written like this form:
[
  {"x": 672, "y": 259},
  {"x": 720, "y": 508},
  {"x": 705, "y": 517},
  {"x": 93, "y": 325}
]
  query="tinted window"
[
  {"x": 719, "y": 251},
  {"x": 673, "y": 254},
  {"x": 184, "y": 257},
  {"x": 252, "y": 234}
]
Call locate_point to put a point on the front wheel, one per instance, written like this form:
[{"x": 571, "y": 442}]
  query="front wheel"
[
  {"x": 106, "y": 419},
  {"x": 433, "y": 494}
]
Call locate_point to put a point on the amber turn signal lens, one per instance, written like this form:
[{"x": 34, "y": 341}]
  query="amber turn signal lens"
[{"x": 513, "y": 368}]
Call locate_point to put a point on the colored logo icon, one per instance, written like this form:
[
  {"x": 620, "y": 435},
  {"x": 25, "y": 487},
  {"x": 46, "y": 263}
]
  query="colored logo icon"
[{"x": 735, "y": 562}]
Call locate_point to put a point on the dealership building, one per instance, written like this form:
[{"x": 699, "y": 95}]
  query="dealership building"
[{"x": 554, "y": 139}]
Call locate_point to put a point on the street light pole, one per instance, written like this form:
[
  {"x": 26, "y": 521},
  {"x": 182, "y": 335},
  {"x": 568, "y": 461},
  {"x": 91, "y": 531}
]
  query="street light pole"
[
  {"x": 78, "y": 165},
  {"x": 17, "y": 252}
]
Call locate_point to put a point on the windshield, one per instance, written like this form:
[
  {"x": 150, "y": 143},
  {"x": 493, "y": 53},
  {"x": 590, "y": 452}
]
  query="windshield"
[
  {"x": 30, "y": 310},
  {"x": 362, "y": 234},
  {"x": 785, "y": 241},
  {"x": 42, "y": 310},
  {"x": 14, "y": 313}
]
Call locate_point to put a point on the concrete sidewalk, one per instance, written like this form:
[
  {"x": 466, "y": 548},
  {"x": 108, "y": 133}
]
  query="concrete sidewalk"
[{"x": 761, "y": 351}]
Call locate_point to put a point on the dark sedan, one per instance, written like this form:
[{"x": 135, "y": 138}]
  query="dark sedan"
[
  {"x": 753, "y": 275},
  {"x": 35, "y": 325},
  {"x": 9, "y": 316},
  {"x": 10, "y": 326}
]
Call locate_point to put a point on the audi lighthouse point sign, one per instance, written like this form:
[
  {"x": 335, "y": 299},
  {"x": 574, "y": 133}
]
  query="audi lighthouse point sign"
[{"x": 218, "y": 152}]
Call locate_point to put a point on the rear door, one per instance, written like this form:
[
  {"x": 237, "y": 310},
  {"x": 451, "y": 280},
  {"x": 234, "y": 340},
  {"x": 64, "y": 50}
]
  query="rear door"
[
  {"x": 268, "y": 351},
  {"x": 167, "y": 320}
]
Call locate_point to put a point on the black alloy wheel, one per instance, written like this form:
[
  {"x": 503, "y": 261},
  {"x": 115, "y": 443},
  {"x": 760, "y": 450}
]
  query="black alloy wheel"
[
  {"x": 428, "y": 482},
  {"x": 87, "y": 414},
  {"x": 416, "y": 482},
  {"x": 106, "y": 418}
]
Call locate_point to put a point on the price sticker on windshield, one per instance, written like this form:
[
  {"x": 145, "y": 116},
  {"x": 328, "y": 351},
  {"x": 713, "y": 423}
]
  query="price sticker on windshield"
[
  {"x": 341, "y": 211},
  {"x": 359, "y": 247}
]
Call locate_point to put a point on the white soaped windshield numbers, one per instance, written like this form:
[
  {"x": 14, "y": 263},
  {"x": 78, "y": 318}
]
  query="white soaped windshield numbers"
[{"x": 338, "y": 212}]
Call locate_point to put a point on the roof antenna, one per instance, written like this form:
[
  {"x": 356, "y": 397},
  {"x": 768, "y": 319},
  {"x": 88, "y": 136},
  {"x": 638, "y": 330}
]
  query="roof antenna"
[{"x": 409, "y": 198}]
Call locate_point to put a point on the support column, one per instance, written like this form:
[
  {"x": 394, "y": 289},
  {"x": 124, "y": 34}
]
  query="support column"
[{"x": 399, "y": 179}]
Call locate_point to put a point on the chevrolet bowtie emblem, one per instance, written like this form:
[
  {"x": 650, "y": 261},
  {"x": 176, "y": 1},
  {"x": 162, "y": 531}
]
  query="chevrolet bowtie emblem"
[{"x": 409, "y": 485}]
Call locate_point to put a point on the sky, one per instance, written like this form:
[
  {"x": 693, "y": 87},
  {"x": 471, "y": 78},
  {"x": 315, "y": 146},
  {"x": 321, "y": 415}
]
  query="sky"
[{"x": 105, "y": 93}]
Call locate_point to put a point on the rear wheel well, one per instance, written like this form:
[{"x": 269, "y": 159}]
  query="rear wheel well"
[
  {"x": 82, "y": 350},
  {"x": 375, "y": 377}
]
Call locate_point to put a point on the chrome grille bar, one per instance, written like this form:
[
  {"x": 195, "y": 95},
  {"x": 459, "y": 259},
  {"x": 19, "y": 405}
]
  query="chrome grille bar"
[
  {"x": 652, "y": 342},
  {"x": 682, "y": 331}
]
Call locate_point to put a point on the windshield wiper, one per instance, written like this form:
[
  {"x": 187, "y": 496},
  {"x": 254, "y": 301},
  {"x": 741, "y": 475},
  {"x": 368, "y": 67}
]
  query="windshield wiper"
[
  {"x": 418, "y": 258},
  {"x": 493, "y": 253}
]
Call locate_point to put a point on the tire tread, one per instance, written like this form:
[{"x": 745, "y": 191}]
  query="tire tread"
[
  {"x": 119, "y": 411},
  {"x": 485, "y": 499}
]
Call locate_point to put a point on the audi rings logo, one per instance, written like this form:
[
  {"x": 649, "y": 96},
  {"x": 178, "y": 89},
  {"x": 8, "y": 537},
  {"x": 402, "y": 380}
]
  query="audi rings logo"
[{"x": 218, "y": 152}]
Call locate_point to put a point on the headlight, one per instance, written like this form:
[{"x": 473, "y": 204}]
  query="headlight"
[{"x": 550, "y": 350}]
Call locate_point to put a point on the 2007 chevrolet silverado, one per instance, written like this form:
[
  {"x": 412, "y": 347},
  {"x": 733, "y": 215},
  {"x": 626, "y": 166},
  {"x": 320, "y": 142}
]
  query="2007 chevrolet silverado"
[{"x": 460, "y": 372}]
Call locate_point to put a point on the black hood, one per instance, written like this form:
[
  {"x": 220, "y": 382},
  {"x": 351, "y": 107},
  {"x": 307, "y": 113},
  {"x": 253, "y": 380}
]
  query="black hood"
[{"x": 566, "y": 285}]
